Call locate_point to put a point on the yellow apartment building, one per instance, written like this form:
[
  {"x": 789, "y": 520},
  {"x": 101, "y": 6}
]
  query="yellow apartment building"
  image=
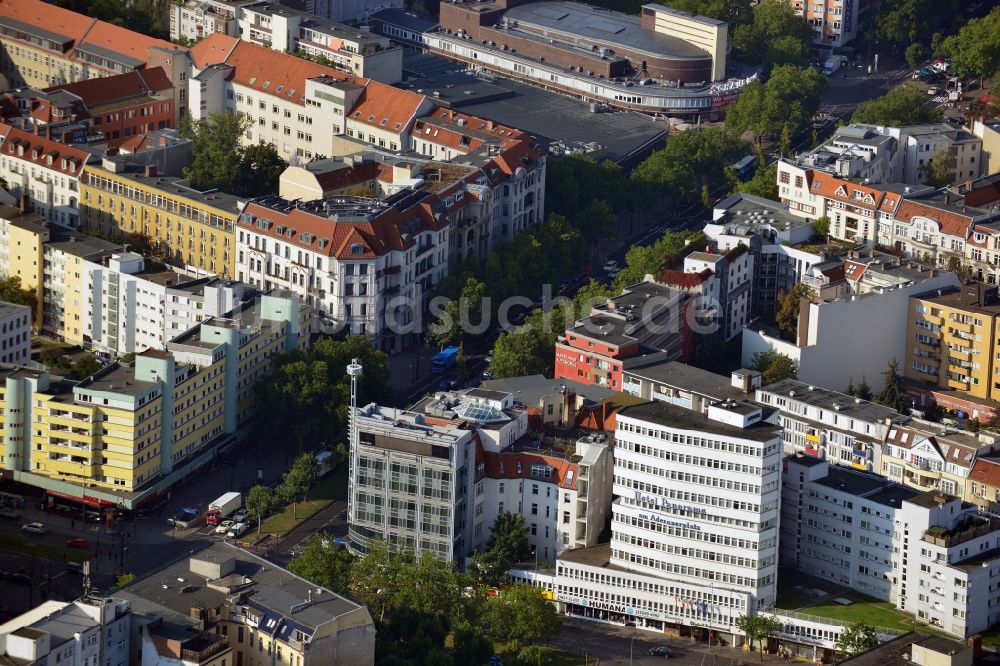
[
  {"x": 129, "y": 432},
  {"x": 188, "y": 227},
  {"x": 951, "y": 340},
  {"x": 49, "y": 261}
]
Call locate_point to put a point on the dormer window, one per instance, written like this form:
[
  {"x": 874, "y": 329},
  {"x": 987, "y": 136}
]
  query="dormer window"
[
  {"x": 371, "y": 117},
  {"x": 357, "y": 248}
]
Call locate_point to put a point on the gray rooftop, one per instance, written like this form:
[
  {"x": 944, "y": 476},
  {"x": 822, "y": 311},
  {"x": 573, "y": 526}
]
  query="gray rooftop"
[
  {"x": 602, "y": 26},
  {"x": 529, "y": 389},
  {"x": 79, "y": 244},
  {"x": 897, "y": 651},
  {"x": 276, "y": 592},
  {"x": 688, "y": 378},
  {"x": 852, "y": 482},
  {"x": 178, "y": 186},
  {"x": 116, "y": 378},
  {"x": 821, "y": 397},
  {"x": 684, "y": 419},
  {"x": 403, "y": 19},
  {"x": 746, "y": 214},
  {"x": 547, "y": 115},
  {"x": 7, "y": 309}
]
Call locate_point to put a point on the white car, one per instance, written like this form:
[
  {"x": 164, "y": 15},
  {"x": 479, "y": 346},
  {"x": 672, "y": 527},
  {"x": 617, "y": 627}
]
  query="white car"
[
  {"x": 224, "y": 526},
  {"x": 237, "y": 530},
  {"x": 34, "y": 528},
  {"x": 240, "y": 515},
  {"x": 611, "y": 266}
]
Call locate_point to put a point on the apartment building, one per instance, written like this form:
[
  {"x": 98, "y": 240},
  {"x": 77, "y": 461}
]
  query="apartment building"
[
  {"x": 875, "y": 303},
  {"x": 830, "y": 426},
  {"x": 164, "y": 415},
  {"x": 46, "y": 172},
  {"x": 194, "y": 20},
  {"x": 834, "y": 22},
  {"x": 131, "y": 309},
  {"x": 686, "y": 386},
  {"x": 983, "y": 485},
  {"x": 927, "y": 456},
  {"x": 231, "y": 607},
  {"x": 646, "y": 323},
  {"x": 45, "y": 45},
  {"x": 838, "y": 524},
  {"x": 989, "y": 132},
  {"x": 189, "y": 228},
  {"x": 15, "y": 333},
  {"x": 124, "y": 105},
  {"x": 350, "y": 49},
  {"x": 91, "y": 630},
  {"x": 921, "y": 143},
  {"x": 945, "y": 564},
  {"x": 412, "y": 483},
  {"x": 688, "y": 552}
]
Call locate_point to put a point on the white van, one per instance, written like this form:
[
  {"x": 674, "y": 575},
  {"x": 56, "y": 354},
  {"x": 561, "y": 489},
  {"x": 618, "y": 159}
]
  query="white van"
[
  {"x": 324, "y": 460},
  {"x": 237, "y": 530}
]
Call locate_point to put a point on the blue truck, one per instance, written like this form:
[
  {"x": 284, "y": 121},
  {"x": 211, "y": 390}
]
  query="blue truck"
[{"x": 445, "y": 360}]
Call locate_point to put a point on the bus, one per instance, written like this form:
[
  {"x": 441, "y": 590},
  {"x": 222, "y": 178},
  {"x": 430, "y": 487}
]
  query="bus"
[{"x": 745, "y": 168}]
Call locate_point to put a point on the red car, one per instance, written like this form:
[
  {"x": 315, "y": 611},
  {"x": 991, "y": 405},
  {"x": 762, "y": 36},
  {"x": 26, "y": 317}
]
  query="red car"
[{"x": 78, "y": 542}]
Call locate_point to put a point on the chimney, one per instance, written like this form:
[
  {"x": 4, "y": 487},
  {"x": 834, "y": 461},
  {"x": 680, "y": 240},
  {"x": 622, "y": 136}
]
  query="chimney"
[
  {"x": 25, "y": 203},
  {"x": 197, "y": 612},
  {"x": 947, "y": 197},
  {"x": 150, "y": 170},
  {"x": 490, "y": 125},
  {"x": 976, "y": 643}
]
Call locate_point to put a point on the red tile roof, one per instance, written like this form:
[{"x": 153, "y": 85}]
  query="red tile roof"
[
  {"x": 387, "y": 108},
  {"x": 951, "y": 222},
  {"x": 37, "y": 150},
  {"x": 266, "y": 71},
  {"x": 95, "y": 92},
  {"x": 832, "y": 187},
  {"x": 987, "y": 472},
  {"x": 854, "y": 270},
  {"x": 518, "y": 466},
  {"x": 82, "y": 29}
]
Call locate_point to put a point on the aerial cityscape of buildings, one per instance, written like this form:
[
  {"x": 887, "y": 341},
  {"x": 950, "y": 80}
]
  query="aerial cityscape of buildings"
[{"x": 793, "y": 400}]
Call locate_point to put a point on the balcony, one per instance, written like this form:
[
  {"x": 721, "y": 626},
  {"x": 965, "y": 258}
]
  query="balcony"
[{"x": 203, "y": 647}]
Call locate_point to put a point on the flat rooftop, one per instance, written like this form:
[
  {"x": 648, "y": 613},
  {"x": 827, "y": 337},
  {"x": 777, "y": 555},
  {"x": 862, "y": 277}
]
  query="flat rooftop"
[
  {"x": 688, "y": 378},
  {"x": 551, "y": 117},
  {"x": 116, "y": 378},
  {"x": 852, "y": 482},
  {"x": 962, "y": 298},
  {"x": 528, "y": 390},
  {"x": 174, "y": 186},
  {"x": 596, "y": 25},
  {"x": 897, "y": 651},
  {"x": 670, "y": 416},
  {"x": 744, "y": 214},
  {"x": 825, "y": 398}
]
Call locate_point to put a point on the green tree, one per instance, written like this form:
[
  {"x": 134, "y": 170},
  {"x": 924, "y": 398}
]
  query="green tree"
[
  {"x": 902, "y": 22},
  {"x": 313, "y": 388},
  {"x": 12, "y": 292},
  {"x": 758, "y": 629},
  {"x": 448, "y": 329},
  {"x": 903, "y": 105},
  {"x": 764, "y": 183},
  {"x": 520, "y": 613},
  {"x": 975, "y": 50},
  {"x": 216, "y": 154},
  {"x": 259, "y": 502},
  {"x": 787, "y": 316},
  {"x": 521, "y": 352},
  {"x": 260, "y": 168},
  {"x": 507, "y": 546},
  {"x": 892, "y": 394},
  {"x": 85, "y": 366},
  {"x": 124, "y": 580},
  {"x": 776, "y": 36},
  {"x": 786, "y": 142},
  {"x": 471, "y": 646},
  {"x": 296, "y": 482},
  {"x": 940, "y": 170},
  {"x": 324, "y": 563},
  {"x": 774, "y": 366},
  {"x": 864, "y": 391},
  {"x": 857, "y": 638},
  {"x": 789, "y": 99},
  {"x": 597, "y": 221},
  {"x": 377, "y": 578},
  {"x": 821, "y": 226},
  {"x": 916, "y": 53},
  {"x": 690, "y": 160}
]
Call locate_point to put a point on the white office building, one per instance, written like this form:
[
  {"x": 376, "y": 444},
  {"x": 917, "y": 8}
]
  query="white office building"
[
  {"x": 694, "y": 539},
  {"x": 838, "y": 524},
  {"x": 15, "y": 333}
]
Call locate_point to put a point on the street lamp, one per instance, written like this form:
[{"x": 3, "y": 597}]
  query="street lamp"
[{"x": 630, "y": 644}]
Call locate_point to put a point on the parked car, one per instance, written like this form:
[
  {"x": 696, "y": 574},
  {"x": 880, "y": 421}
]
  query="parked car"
[
  {"x": 487, "y": 375},
  {"x": 34, "y": 528},
  {"x": 11, "y": 514},
  {"x": 78, "y": 542},
  {"x": 237, "y": 530},
  {"x": 661, "y": 651},
  {"x": 225, "y": 526},
  {"x": 610, "y": 265},
  {"x": 240, "y": 515}
]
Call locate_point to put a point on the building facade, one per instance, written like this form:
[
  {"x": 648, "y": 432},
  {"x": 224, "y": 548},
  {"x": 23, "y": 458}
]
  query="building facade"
[
  {"x": 164, "y": 415},
  {"x": 15, "y": 333}
]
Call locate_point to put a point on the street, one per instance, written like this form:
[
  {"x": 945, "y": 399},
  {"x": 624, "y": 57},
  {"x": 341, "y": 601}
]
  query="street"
[{"x": 616, "y": 645}]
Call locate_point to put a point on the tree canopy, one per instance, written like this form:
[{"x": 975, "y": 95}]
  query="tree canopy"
[
  {"x": 903, "y": 22},
  {"x": 259, "y": 502},
  {"x": 521, "y": 613},
  {"x": 314, "y": 391},
  {"x": 774, "y": 366},
  {"x": 691, "y": 159},
  {"x": 787, "y": 102},
  {"x": 787, "y": 316},
  {"x": 775, "y": 36},
  {"x": 220, "y": 161},
  {"x": 903, "y": 105},
  {"x": 940, "y": 168},
  {"x": 296, "y": 482},
  {"x": 763, "y": 184},
  {"x": 758, "y": 629},
  {"x": 893, "y": 394},
  {"x": 508, "y": 545},
  {"x": 12, "y": 292},
  {"x": 975, "y": 50},
  {"x": 324, "y": 563},
  {"x": 857, "y": 638}
]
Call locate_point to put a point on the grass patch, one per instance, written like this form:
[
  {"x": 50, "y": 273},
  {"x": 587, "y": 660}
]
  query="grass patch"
[
  {"x": 550, "y": 656},
  {"x": 19, "y": 544},
  {"x": 322, "y": 495},
  {"x": 991, "y": 636},
  {"x": 864, "y": 609}
]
